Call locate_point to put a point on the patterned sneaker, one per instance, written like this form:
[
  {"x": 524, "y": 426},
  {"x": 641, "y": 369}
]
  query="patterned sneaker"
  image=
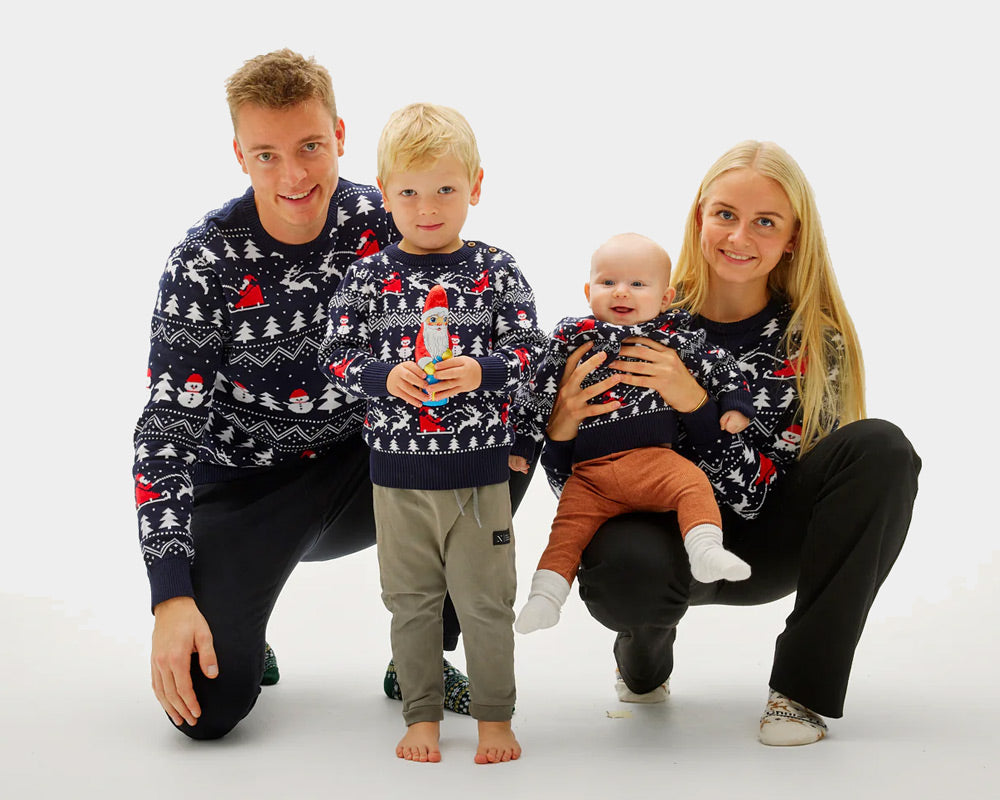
[
  {"x": 271, "y": 674},
  {"x": 786, "y": 722},
  {"x": 456, "y": 687},
  {"x": 626, "y": 695},
  {"x": 390, "y": 685}
]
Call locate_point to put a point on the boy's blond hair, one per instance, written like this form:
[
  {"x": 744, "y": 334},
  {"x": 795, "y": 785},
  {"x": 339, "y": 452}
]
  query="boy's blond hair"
[
  {"x": 279, "y": 80},
  {"x": 832, "y": 389},
  {"x": 419, "y": 134}
]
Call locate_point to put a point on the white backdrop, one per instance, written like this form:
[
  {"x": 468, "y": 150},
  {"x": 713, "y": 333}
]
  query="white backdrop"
[{"x": 592, "y": 119}]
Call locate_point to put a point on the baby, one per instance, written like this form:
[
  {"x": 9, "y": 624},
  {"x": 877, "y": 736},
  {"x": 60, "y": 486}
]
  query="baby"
[{"x": 623, "y": 461}]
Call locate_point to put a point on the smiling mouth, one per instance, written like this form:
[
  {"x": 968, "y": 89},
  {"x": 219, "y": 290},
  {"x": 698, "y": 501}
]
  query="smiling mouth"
[
  {"x": 299, "y": 196},
  {"x": 736, "y": 256}
]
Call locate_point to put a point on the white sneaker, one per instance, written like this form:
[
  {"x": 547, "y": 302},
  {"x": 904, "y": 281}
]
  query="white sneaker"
[
  {"x": 626, "y": 695},
  {"x": 785, "y": 722}
]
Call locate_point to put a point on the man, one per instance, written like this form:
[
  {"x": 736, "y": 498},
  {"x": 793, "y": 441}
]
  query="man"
[{"x": 232, "y": 492}]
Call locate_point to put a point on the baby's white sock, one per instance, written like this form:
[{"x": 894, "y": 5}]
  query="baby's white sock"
[
  {"x": 549, "y": 591},
  {"x": 710, "y": 561}
]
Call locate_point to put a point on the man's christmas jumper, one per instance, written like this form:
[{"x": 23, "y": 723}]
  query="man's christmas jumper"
[
  {"x": 644, "y": 419},
  {"x": 392, "y": 307},
  {"x": 232, "y": 374}
]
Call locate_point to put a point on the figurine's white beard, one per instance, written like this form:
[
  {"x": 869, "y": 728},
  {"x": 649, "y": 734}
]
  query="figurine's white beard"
[{"x": 436, "y": 339}]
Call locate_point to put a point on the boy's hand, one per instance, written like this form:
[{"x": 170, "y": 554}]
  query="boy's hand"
[
  {"x": 733, "y": 421},
  {"x": 455, "y": 375},
  {"x": 407, "y": 382},
  {"x": 518, "y": 463}
]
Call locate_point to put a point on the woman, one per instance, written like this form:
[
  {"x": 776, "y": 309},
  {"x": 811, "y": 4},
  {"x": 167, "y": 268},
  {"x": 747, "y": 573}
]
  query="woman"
[{"x": 815, "y": 498}]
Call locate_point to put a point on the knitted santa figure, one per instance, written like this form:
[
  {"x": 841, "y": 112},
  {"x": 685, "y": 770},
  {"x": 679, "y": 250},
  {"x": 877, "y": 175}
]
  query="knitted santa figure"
[{"x": 433, "y": 342}]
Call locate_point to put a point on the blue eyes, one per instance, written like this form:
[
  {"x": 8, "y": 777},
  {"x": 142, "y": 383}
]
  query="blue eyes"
[
  {"x": 413, "y": 192},
  {"x": 729, "y": 216},
  {"x": 633, "y": 284},
  {"x": 309, "y": 147}
]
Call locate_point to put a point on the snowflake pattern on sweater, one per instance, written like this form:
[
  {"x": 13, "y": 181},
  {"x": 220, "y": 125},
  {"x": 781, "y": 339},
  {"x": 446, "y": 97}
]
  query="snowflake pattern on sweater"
[
  {"x": 232, "y": 373},
  {"x": 644, "y": 418},
  {"x": 376, "y": 320}
]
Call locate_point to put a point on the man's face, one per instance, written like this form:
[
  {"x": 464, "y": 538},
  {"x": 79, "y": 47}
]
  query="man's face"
[{"x": 291, "y": 156}]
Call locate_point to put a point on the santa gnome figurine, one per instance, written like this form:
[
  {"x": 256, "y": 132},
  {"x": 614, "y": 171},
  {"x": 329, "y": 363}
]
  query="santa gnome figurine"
[{"x": 433, "y": 344}]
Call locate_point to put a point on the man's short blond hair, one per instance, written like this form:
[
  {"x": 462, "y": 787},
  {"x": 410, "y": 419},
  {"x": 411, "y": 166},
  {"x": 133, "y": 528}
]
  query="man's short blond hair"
[
  {"x": 279, "y": 80},
  {"x": 419, "y": 134}
]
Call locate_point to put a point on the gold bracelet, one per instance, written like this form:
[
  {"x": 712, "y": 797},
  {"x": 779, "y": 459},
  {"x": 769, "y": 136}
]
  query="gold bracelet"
[{"x": 703, "y": 401}]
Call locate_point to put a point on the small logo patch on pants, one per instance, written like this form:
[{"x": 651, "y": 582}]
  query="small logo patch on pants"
[{"x": 501, "y": 537}]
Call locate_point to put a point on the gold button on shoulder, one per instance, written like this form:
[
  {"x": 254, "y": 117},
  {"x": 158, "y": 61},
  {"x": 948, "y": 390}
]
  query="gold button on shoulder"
[
  {"x": 470, "y": 244},
  {"x": 493, "y": 249}
]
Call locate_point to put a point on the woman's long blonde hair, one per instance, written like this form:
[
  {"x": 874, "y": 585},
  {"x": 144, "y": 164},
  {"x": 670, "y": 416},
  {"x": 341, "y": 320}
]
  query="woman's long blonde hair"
[{"x": 820, "y": 329}]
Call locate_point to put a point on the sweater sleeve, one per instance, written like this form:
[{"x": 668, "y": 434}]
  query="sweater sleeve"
[
  {"x": 517, "y": 341},
  {"x": 744, "y": 468},
  {"x": 345, "y": 355},
  {"x": 185, "y": 356},
  {"x": 533, "y": 406}
]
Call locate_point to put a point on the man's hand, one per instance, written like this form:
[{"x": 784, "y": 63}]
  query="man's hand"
[
  {"x": 407, "y": 382},
  {"x": 179, "y": 631},
  {"x": 456, "y": 375}
]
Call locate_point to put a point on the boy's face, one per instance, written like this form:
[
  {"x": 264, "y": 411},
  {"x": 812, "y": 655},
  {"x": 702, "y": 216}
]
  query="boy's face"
[
  {"x": 291, "y": 156},
  {"x": 629, "y": 283},
  {"x": 429, "y": 205}
]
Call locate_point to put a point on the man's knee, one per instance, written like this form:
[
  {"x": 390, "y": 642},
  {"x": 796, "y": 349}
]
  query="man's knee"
[{"x": 224, "y": 701}]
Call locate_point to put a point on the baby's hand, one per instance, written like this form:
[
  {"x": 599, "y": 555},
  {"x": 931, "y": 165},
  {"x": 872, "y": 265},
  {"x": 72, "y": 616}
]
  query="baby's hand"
[
  {"x": 733, "y": 422},
  {"x": 518, "y": 463}
]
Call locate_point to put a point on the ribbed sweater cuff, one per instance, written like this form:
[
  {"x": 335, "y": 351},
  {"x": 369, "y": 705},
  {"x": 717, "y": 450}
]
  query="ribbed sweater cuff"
[
  {"x": 374, "y": 378},
  {"x": 169, "y": 577},
  {"x": 494, "y": 373},
  {"x": 703, "y": 425}
]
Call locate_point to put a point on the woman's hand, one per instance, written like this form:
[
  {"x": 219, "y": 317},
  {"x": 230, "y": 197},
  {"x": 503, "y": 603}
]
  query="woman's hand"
[
  {"x": 571, "y": 406},
  {"x": 658, "y": 367}
]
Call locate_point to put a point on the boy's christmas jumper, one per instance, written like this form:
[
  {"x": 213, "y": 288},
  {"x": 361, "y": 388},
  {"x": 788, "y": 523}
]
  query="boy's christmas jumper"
[
  {"x": 393, "y": 307},
  {"x": 232, "y": 368}
]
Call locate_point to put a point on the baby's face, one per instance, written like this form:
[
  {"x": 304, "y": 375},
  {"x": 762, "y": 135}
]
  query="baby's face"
[{"x": 628, "y": 285}]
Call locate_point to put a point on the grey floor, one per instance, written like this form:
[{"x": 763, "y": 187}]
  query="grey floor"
[{"x": 80, "y": 720}]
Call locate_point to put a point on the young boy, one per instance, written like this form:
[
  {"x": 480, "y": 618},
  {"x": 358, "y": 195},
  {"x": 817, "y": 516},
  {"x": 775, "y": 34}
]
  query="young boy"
[
  {"x": 622, "y": 460},
  {"x": 437, "y": 422}
]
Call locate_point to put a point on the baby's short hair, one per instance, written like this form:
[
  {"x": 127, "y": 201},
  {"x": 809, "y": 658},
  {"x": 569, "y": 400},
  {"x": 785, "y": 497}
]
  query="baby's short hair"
[
  {"x": 279, "y": 80},
  {"x": 421, "y": 133}
]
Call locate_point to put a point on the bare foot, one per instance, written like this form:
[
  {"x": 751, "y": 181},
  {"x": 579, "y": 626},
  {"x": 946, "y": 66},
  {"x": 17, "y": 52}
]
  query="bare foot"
[
  {"x": 496, "y": 743},
  {"x": 420, "y": 742}
]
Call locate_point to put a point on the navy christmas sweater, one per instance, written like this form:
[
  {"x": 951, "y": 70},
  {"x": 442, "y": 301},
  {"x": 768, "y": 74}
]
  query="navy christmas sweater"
[
  {"x": 232, "y": 375},
  {"x": 644, "y": 418},
  {"x": 744, "y": 468},
  {"x": 391, "y": 307}
]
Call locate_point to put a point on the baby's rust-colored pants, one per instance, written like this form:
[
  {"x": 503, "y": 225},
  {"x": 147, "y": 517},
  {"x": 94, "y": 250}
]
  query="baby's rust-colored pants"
[{"x": 644, "y": 479}]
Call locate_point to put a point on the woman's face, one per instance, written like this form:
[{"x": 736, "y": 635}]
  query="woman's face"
[{"x": 747, "y": 226}]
